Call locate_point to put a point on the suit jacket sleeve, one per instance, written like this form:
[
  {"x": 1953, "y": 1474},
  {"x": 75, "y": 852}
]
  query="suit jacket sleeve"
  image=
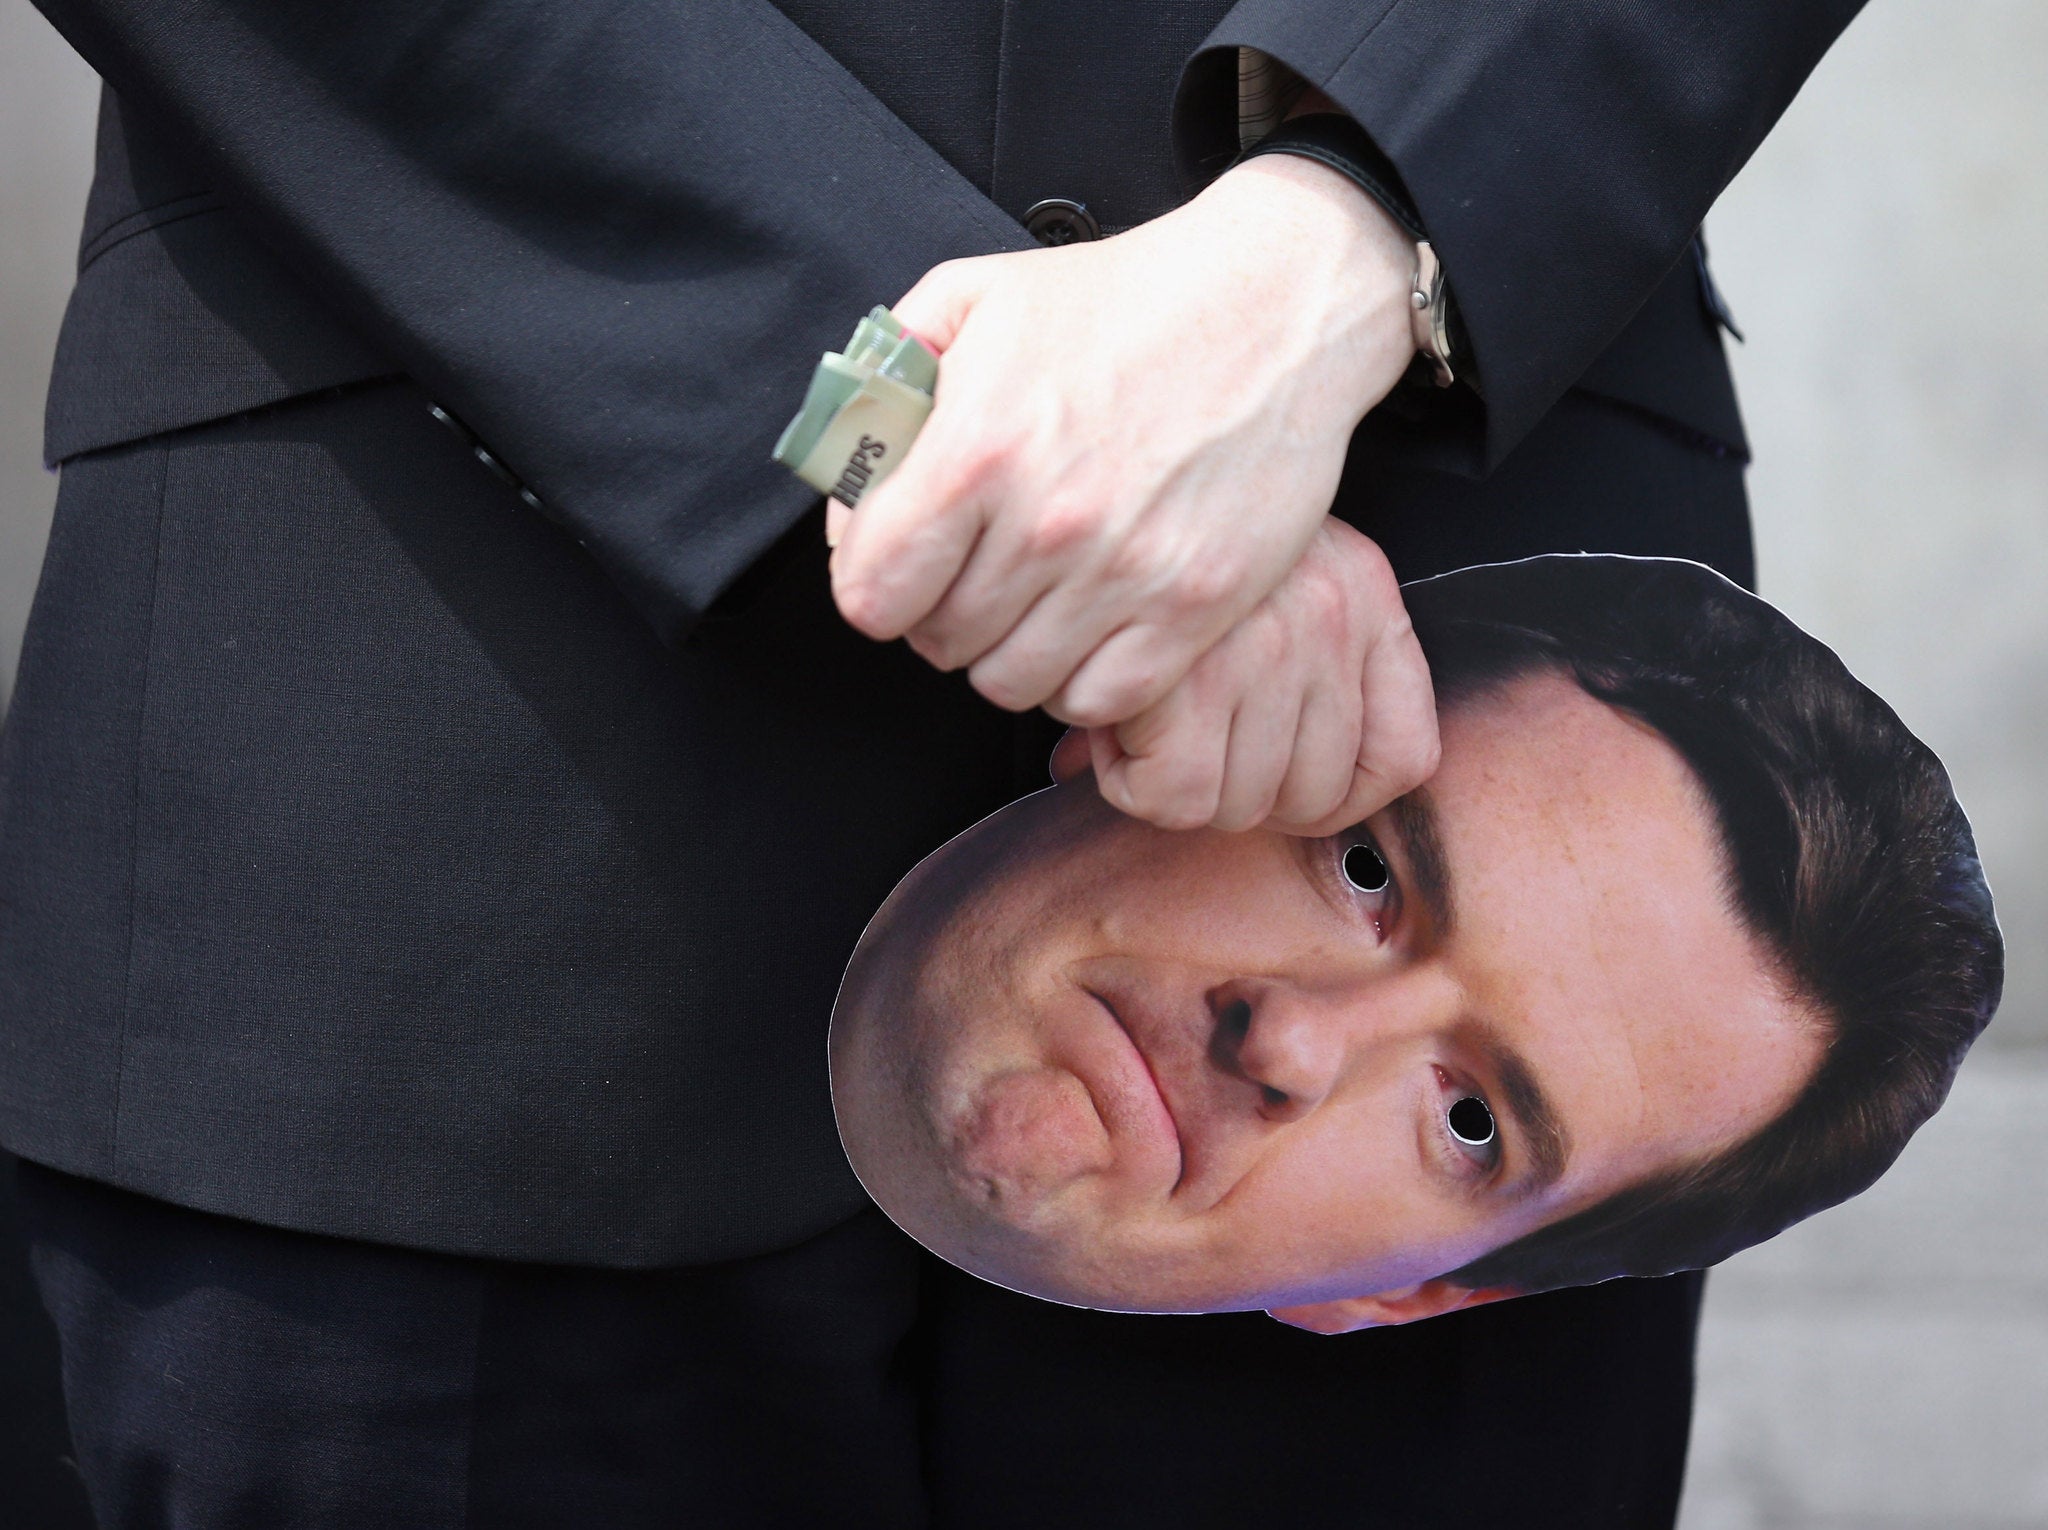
[
  {"x": 1562, "y": 152},
  {"x": 612, "y": 236}
]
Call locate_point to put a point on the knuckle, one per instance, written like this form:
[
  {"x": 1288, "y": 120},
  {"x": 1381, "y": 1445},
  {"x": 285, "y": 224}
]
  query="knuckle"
[
  {"x": 1392, "y": 773},
  {"x": 1005, "y": 685},
  {"x": 1199, "y": 586},
  {"x": 970, "y": 471},
  {"x": 1134, "y": 562},
  {"x": 1140, "y": 737},
  {"x": 1001, "y": 693},
  {"x": 1320, "y": 603},
  {"x": 1330, "y": 604},
  {"x": 1421, "y": 762},
  {"x": 1267, "y": 645},
  {"x": 1103, "y": 703},
  {"x": 1213, "y": 687},
  {"x": 1089, "y": 712},
  {"x": 1061, "y": 527},
  {"x": 1059, "y": 709},
  {"x": 1408, "y": 758},
  {"x": 1429, "y": 750}
]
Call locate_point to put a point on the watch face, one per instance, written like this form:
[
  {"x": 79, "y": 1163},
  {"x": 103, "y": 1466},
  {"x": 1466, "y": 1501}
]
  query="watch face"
[{"x": 1432, "y": 299}]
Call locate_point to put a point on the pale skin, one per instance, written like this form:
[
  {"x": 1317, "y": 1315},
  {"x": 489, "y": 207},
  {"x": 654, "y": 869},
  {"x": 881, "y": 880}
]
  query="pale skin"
[
  {"x": 1200, "y": 1071},
  {"x": 1139, "y": 540}
]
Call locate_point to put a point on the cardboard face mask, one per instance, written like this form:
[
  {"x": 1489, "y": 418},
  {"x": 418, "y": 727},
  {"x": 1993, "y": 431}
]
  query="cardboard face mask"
[{"x": 1681, "y": 942}]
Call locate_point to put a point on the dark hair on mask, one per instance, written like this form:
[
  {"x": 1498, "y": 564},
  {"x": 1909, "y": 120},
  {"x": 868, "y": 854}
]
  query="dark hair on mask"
[{"x": 1848, "y": 858}]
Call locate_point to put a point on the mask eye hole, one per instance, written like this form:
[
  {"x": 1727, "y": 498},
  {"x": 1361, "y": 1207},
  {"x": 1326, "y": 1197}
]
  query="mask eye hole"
[
  {"x": 1471, "y": 1122},
  {"x": 1365, "y": 870}
]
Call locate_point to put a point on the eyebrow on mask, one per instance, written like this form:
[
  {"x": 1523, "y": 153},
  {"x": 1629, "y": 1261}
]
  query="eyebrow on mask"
[
  {"x": 1537, "y": 1121},
  {"x": 1415, "y": 819}
]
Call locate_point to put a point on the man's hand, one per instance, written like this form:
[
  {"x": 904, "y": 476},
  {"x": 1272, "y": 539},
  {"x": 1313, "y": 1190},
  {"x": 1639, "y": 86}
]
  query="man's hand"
[
  {"x": 1134, "y": 441},
  {"x": 1311, "y": 714}
]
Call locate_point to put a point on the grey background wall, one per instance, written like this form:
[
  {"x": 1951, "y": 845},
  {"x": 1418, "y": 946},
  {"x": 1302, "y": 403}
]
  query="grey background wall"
[
  {"x": 45, "y": 155},
  {"x": 1885, "y": 1367},
  {"x": 46, "y": 118}
]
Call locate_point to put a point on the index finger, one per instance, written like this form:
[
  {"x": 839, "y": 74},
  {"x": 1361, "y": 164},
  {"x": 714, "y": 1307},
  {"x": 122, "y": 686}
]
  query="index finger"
[{"x": 896, "y": 558}]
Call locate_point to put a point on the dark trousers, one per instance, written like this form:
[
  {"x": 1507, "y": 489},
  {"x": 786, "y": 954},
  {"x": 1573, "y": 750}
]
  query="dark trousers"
[{"x": 223, "y": 1375}]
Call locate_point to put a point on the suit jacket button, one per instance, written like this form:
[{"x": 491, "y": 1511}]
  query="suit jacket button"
[{"x": 1057, "y": 220}]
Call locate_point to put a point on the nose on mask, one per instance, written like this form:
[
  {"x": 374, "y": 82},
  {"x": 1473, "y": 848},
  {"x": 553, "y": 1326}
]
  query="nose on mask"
[{"x": 1267, "y": 1039}]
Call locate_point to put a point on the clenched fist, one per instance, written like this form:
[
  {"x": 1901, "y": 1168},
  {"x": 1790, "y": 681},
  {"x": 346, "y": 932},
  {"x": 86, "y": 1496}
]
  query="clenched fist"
[
  {"x": 1310, "y": 715},
  {"x": 1134, "y": 443}
]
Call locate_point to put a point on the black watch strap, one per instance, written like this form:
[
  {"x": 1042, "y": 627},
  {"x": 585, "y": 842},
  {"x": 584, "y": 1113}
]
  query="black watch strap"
[
  {"x": 1334, "y": 140},
  {"x": 1331, "y": 138}
]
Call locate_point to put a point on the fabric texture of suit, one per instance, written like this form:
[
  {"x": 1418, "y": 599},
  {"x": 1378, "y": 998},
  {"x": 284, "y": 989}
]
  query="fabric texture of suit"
[{"x": 380, "y": 858}]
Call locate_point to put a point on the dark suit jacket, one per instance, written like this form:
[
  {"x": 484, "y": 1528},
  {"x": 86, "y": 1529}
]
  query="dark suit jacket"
[{"x": 366, "y": 865}]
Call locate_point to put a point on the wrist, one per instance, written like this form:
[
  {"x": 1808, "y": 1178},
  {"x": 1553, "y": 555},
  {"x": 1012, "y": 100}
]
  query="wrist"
[
  {"x": 1337, "y": 259},
  {"x": 1335, "y": 140},
  {"x": 1296, "y": 196}
]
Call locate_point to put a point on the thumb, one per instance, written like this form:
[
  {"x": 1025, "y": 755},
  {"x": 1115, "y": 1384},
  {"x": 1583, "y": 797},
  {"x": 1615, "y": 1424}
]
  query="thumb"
[{"x": 939, "y": 304}]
